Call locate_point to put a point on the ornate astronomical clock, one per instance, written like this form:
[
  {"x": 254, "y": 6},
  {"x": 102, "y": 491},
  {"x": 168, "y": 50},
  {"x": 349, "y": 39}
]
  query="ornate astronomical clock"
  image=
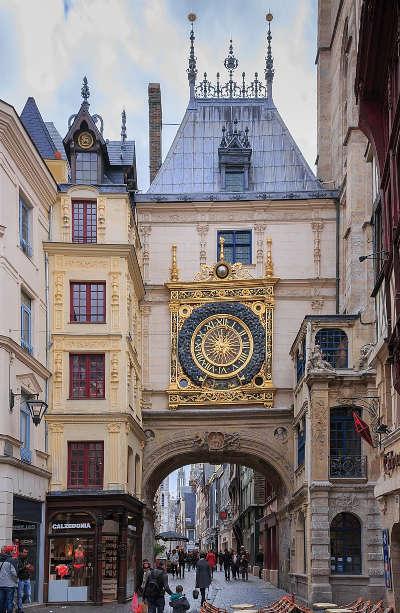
[{"x": 221, "y": 336}]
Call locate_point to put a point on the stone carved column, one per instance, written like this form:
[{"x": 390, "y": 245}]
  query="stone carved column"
[
  {"x": 57, "y": 455},
  {"x": 115, "y": 289},
  {"x": 113, "y": 457},
  {"x": 259, "y": 230},
  {"x": 101, "y": 219},
  {"x": 145, "y": 311},
  {"x": 57, "y": 378},
  {"x": 202, "y": 229},
  {"x": 66, "y": 219},
  {"x": 317, "y": 227},
  {"x": 145, "y": 232},
  {"x": 58, "y": 300},
  {"x": 114, "y": 378}
]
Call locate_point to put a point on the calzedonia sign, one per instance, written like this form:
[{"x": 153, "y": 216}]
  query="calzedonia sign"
[{"x": 73, "y": 526}]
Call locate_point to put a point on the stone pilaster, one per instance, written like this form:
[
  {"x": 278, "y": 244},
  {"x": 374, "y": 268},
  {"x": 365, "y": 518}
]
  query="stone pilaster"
[
  {"x": 320, "y": 589},
  {"x": 57, "y": 452},
  {"x": 111, "y": 478}
]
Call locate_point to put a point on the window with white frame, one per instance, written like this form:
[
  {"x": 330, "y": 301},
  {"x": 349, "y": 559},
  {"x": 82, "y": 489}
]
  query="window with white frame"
[
  {"x": 25, "y": 223},
  {"x": 26, "y": 322}
]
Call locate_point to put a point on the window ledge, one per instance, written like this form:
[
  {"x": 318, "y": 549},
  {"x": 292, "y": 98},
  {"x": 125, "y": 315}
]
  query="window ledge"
[{"x": 348, "y": 479}]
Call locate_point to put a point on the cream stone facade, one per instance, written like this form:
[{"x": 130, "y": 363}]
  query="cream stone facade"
[
  {"x": 27, "y": 190},
  {"x": 345, "y": 162}
]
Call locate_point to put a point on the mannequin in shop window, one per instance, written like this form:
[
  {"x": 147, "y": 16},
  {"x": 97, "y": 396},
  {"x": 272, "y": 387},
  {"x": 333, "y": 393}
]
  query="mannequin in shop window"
[{"x": 79, "y": 565}]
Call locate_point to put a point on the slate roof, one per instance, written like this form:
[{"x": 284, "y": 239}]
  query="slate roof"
[
  {"x": 121, "y": 156},
  {"x": 192, "y": 164},
  {"x": 37, "y": 130},
  {"x": 56, "y": 138},
  {"x": 48, "y": 140}
]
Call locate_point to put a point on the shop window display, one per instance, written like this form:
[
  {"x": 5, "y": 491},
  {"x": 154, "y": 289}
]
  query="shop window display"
[{"x": 71, "y": 560}]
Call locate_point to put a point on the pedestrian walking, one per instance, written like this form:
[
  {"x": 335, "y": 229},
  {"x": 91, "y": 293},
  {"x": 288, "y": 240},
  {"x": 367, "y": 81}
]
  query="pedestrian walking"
[
  {"x": 24, "y": 572},
  {"x": 195, "y": 559},
  {"x": 155, "y": 588},
  {"x": 8, "y": 580},
  {"x": 244, "y": 565},
  {"x": 235, "y": 565},
  {"x": 211, "y": 559},
  {"x": 227, "y": 564},
  {"x": 189, "y": 560},
  {"x": 260, "y": 561},
  {"x": 203, "y": 576},
  {"x": 181, "y": 556},
  {"x": 178, "y": 601},
  {"x": 143, "y": 575},
  {"x": 221, "y": 559},
  {"x": 174, "y": 559}
]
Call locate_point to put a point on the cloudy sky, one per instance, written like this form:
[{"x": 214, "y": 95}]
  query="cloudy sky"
[{"x": 46, "y": 46}]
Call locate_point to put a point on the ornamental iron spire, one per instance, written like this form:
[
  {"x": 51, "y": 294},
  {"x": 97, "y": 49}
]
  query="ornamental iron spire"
[
  {"x": 221, "y": 249},
  {"x": 85, "y": 92},
  {"x": 174, "y": 270},
  {"x": 269, "y": 266},
  {"x": 269, "y": 60},
  {"x": 192, "y": 69},
  {"x": 123, "y": 127}
]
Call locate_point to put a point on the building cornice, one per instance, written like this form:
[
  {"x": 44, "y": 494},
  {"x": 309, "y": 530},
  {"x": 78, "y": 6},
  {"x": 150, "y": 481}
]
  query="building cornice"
[
  {"x": 25, "y": 154},
  {"x": 37, "y": 367},
  {"x": 123, "y": 250},
  {"x": 278, "y": 201},
  {"x": 101, "y": 418},
  {"x": 29, "y": 468}
]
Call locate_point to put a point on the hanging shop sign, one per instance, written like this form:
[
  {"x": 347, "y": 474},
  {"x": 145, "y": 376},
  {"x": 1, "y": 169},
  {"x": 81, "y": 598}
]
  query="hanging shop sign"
[{"x": 391, "y": 461}]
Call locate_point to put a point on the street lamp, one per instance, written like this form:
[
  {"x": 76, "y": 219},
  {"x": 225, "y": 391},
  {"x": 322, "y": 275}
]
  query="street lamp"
[{"x": 37, "y": 408}]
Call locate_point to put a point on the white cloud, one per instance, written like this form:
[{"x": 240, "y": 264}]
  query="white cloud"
[{"x": 123, "y": 44}]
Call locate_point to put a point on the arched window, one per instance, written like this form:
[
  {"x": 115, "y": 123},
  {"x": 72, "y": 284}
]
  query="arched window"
[
  {"x": 345, "y": 445},
  {"x": 334, "y": 346},
  {"x": 346, "y": 545}
]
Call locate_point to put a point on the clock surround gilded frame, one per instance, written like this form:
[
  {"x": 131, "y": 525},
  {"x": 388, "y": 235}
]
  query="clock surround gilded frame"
[{"x": 185, "y": 299}]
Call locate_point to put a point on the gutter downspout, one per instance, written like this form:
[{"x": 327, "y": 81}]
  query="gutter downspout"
[{"x": 337, "y": 255}]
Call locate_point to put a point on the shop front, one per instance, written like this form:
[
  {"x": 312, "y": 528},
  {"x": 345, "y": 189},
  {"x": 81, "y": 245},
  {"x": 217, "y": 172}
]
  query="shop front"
[
  {"x": 27, "y": 519},
  {"x": 93, "y": 547}
]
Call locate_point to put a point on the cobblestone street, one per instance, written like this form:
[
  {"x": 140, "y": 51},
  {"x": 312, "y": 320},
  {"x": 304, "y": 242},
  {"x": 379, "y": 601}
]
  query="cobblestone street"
[{"x": 222, "y": 593}]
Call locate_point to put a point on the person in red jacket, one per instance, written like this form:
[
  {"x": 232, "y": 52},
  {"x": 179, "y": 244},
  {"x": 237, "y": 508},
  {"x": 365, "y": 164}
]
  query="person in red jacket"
[{"x": 212, "y": 561}]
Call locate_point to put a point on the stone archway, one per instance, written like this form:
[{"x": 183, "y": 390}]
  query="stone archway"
[{"x": 258, "y": 438}]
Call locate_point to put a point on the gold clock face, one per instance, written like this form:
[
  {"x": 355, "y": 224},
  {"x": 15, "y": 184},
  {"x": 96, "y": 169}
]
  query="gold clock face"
[
  {"x": 85, "y": 140},
  {"x": 222, "y": 346}
]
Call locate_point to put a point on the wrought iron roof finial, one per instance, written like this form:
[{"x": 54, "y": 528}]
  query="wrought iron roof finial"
[
  {"x": 221, "y": 249},
  {"x": 85, "y": 91},
  {"x": 123, "y": 127},
  {"x": 269, "y": 266},
  {"x": 174, "y": 271},
  {"x": 269, "y": 60},
  {"x": 192, "y": 69},
  {"x": 231, "y": 62}
]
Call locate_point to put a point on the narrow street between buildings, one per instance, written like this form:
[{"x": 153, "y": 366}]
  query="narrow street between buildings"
[{"x": 221, "y": 593}]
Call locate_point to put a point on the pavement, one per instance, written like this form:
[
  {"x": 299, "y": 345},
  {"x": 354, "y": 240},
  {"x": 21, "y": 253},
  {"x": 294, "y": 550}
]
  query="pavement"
[{"x": 221, "y": 593}]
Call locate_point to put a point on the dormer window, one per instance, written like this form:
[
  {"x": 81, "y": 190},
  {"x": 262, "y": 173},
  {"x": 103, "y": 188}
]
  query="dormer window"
[
  {"x": 234, "y": 155},
  {"x": 234, "y": 179},
  {"x": 86, "y": 167}
]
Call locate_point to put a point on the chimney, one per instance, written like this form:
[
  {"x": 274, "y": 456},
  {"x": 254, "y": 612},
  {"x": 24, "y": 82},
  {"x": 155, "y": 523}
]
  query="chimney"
[{"x": 155, "y": 125}]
